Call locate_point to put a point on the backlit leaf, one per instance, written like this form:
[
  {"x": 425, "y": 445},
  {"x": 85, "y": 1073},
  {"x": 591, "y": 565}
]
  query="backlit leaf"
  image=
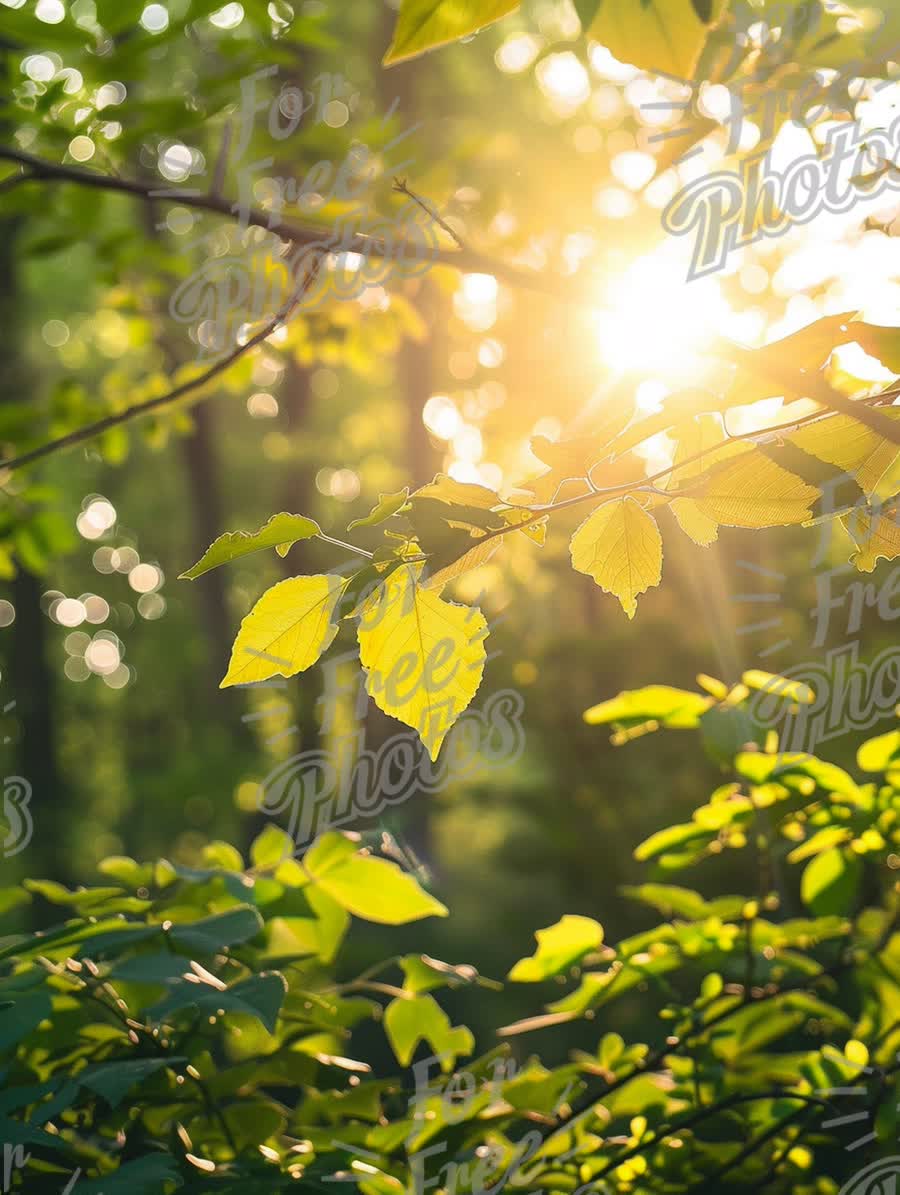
[
  {"x": 877, "y": 536},
  {"x": 664, "y": 36},
  {"x": 620, "y": 547},
  {"x": 407, "y": 1022},
  {"x": 830, "y": 882},
  {"x": 281, "y": 531},
  {"x": 850, "y": 446},
  {"x": 753, "y": 491},
  {"x": 423, "y": 657},
  {"x": 662, "y": 703},
  {"x": 387, "y": 505},
  {"x": 424, "y": 24},
  {"x": 286, "y": 631},
  {"x": 374, "y": 889},
  {"x": 559, "y": 947},
  {"x": 694, "y": 523}
]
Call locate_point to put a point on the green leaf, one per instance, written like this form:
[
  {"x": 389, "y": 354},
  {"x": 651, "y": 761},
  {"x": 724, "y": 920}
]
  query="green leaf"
[
  {"x": 675, "y": 708},
  {"x": 260, "y": 996},
  {"x": 11, "y": 898},
  {"x": 666, "y": 840},
  {"x": 672, "y": 900},
  {"x": 407, "y": 1022},
  {"x": 422, "y": 974},
  {"x": 560, "y": 946},
  {"x": 424, "y": 24},
  {"x": 253, "y": 1122},
  {"x": 664, "y": 36},
  {"x": 374, "y": 889},
  {"x": 24, "y": 1015},
  {"x": 830, "y": 883},
  {"x": 387, "y": 506},
  {"x": 271, "y": 846},
  {"x": 212, "y": 934},
  {"x": 877, "y": 754},
  {"x": 286, "y": 631},
  {"x": 144, "y": 1176},
  {"x": 113, "y": 1080},
  {"x": 280, "y": 532}
]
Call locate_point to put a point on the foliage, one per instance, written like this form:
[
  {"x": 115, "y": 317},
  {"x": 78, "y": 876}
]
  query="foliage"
[
  {"x": 195, "y": 1029},
  {"x": 779, "y": 476}
]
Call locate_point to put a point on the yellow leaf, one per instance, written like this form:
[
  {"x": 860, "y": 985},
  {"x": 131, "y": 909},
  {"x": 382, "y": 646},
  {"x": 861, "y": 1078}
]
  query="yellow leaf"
[
  {"x": 286, "y": 631},
  {"x": 458, "y": 493},
  {"x": 876, "y": 535},
  {"x": 805, "y": 350},
  {"x": 695, "y": 438},
  {"x": 619, "y": 545},
  {"x": 424, "y": 657},
  {"x": 850, "y": 446},
  {"x": 753, "y": 491},
  {"x": 474, "y": 558},
  {"x": 694, "y": 523}
]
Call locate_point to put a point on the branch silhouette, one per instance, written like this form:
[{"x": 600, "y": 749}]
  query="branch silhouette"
[{"x": 461, "y": 258}]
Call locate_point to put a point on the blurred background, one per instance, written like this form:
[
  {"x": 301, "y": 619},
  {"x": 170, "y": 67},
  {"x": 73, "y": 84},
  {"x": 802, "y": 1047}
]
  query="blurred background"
[{"x": 539, "y": 148}]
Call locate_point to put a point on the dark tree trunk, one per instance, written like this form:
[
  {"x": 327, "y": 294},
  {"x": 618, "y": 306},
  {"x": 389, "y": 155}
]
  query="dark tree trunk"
[{"x": 30, "y": 682}]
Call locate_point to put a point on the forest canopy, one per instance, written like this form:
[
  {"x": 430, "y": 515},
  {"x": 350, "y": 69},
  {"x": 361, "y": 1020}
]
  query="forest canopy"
[{"x": 412, "y": 415}]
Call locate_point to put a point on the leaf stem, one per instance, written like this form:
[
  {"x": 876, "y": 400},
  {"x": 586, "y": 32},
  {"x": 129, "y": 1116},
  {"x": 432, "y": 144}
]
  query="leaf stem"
[{"x": 339, "y": 543}]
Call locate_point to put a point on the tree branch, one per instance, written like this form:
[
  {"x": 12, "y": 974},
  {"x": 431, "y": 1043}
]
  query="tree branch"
[
  {"x": 461, "y": 258},
  {"x": 152, "y": 404},
  {"x": 289, "y": 230}
]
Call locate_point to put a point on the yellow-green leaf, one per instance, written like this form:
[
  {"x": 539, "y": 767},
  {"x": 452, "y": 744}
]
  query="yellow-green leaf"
[
  {"x": 619, "y": 545},
  {"x": 675, "y": 708},
  {"x": 424, "y": 657},
  {"x": 559, "y": 947},
  {"x": 281, "y": 531},
  {"x": 374, "y": 889},
  {"x": 753, "y": 491},
  {"x": 387, "y": 505},
  {"x": 665, "y": 36},
  {"x": 877, "y": 536},
  {"x": 407, "y": 1022},
  {"x": 458, "y": 493},
  {"x": 771, "y": 682},
  {"x": 424, "y": 24},
  {"x": 286, "y": 631}
]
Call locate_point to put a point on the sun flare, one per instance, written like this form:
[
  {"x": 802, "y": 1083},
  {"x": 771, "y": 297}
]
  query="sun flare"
[{"x": 653, "y": 320}]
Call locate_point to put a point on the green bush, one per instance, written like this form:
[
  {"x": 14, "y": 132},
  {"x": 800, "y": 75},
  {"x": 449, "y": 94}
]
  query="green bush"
[{"x": 192, "y": 1028}]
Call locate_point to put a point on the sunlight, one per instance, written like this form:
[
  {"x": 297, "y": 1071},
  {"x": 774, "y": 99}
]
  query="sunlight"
[{"x": 653, "y": 320}]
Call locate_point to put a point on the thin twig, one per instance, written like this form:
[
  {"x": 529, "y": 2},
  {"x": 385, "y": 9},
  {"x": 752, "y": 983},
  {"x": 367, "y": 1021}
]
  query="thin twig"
[
  {"x": 288, "y": 230},
  {"x": 462, "y": 258},
  {"x": 92, "y": 430},
  {"x": 403, "y": 188}
]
